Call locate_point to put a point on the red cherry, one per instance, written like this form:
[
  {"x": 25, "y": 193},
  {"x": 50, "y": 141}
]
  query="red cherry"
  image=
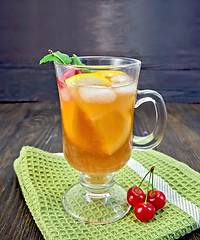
[
  {"x": 145, "y": 211},
  {"x": 134, "y": 197},
  {"x": 79, "y": 71},
  {"x": 158, "y": 199},
  {"x": 68, "y": 73}
]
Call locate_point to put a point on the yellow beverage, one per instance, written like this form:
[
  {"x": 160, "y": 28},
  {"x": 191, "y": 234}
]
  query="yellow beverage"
[
  {"x": 97, "y": 97},
  {"x": 97, "y": 120}
]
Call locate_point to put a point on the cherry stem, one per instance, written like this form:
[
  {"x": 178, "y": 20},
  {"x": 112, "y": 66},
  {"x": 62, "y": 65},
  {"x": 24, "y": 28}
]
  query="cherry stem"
[
  {"x": 153, "y": 193},
  {"x": 137, "y": 190},
  {"x": 52, "y": 53},
  {"x": 145, "y": 202}
]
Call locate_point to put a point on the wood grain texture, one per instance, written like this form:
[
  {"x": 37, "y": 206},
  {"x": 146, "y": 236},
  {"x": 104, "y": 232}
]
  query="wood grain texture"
[
  {"x": 164, "y": 35},
  {"x": 39, "y": 125}
]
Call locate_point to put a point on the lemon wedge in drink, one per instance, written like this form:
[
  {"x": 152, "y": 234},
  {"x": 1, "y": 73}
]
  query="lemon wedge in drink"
[
  {"x": 109, "y": 73},
  {"x": 114, "y": 129},
  {"x": 88, "y": 79},
  {"x": 78, "y": 128}
]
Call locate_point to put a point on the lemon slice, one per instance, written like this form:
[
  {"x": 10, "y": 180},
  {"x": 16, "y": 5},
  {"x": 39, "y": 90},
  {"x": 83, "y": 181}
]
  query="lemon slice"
[
  {"x": 109, "y": 74},
  {"x": 88, "y": 79},
  {"x": 113, "y": 129},
  {"x": 78, "y": 128}
]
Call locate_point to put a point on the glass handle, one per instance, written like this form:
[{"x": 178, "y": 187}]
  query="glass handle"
[{"x": 153, "y": 139}]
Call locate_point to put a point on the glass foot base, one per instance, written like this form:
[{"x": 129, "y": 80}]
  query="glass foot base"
[{"x": 96, "y": 208}]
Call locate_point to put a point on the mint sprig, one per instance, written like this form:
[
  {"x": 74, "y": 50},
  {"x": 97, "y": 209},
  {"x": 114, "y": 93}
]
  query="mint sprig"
[
  {"x": 63, "y": 59},
  {"x": 56, "y": 57}
]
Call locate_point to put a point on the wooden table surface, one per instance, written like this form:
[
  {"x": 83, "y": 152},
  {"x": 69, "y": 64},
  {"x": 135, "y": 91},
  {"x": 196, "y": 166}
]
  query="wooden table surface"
[{"x": 39, "y": 125}]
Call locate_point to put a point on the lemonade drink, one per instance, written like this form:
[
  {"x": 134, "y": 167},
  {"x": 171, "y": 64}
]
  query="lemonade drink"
[
  {"x": 97, "y": 117},
  {"x": 97, "y": 97}
]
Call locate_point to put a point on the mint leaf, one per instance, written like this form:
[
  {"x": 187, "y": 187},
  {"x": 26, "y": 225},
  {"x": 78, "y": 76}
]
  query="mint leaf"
[
  {"x": 50, "y": 58},
  {"x": 77, "y": 61},
  {"x": 56, "y": 57},
  {"x": 64, "y": 57}
]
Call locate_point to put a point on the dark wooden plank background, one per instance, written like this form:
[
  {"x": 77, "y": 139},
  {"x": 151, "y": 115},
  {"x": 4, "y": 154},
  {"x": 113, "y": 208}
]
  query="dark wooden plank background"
[{"x": 163, "y": 34}]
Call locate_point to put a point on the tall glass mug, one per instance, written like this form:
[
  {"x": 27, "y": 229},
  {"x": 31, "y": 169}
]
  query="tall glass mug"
[{"x": 97, "y": 106}]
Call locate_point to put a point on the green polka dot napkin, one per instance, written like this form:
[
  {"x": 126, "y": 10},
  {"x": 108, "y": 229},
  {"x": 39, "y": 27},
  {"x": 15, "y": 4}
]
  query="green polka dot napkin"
[{"x": 44, "y": 177}]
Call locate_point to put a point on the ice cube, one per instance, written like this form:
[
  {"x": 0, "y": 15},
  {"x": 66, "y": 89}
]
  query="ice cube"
[
  {"x": 64, "y": 92},
  {"x": 126, "y": 89},
  {"x": 97, "y": 94},
  {"x": 120, "y": 78}
]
